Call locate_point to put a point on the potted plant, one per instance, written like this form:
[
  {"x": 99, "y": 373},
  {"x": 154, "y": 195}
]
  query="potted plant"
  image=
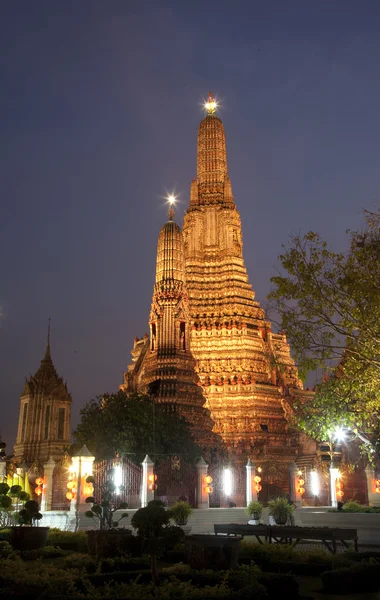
[
  {"x": 154, "y": 529},
  {"x": 28, "y": 536},
  {"x": 180, "y": 513},
  {"x": 108, "y": 538},
  {"x": 254, "y": 509},
  {"x": 281, "y": 510}
]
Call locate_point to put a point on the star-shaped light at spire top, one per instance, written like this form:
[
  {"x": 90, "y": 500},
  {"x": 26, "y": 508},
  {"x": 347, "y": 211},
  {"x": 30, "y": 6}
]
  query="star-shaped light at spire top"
[
  {"x": 171, "y": 199},
  {"x": 211, "y": 105}
]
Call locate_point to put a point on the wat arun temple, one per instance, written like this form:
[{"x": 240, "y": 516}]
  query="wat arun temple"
[{"x": 210, "y": 355}]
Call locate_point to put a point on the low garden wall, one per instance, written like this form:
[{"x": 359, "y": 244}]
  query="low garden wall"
[{"x": 367, "y": 525}]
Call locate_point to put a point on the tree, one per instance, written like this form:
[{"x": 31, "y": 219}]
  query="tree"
[
  {"x": 153, "y": 525},
  {"x": 329, "y": 306},
  {"x": 122, "y": 424}
]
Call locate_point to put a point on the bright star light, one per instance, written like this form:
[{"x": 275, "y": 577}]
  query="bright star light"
[
  {"x": 339, "y": 434},
  {"x": 211, "y": 105},
  {"x": 172, "y": 199}
]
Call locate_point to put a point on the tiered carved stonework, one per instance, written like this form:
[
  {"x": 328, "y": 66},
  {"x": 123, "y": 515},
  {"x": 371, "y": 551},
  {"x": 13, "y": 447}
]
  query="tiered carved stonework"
[
  {"x": 163, "y": 365},
  {"x": 244, "y": 368},
  {"x": 44, "y": 425}
]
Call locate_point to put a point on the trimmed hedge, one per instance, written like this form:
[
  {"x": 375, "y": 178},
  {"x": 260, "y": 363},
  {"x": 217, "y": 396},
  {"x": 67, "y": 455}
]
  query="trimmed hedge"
[
  {"x": 68, "y": 540},
  {"x": 358, "y": 578}
]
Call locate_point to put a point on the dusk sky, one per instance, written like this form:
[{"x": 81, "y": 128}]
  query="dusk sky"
[{"x": 100, "y": 104}]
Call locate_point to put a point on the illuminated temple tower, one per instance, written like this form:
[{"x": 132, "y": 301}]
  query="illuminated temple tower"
[
  {"x": 246, "y": 371},
  {"x": 45, "y": 413},
  {"x": 163, "y": 365}
]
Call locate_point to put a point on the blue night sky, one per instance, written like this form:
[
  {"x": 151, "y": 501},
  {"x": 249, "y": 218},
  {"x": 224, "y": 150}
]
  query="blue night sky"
[{"x": 100, "y": 104}]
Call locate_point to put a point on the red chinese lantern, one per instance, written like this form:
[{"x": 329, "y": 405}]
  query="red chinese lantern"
[
  {"x": 257, "y": 479},
  {"x": 208, "y": 489},
  {"x": 258, "y": 488},
  {"x": 301, "y": 482},
  {"x": 208, "y": 479},
  {"x": 38, "y": 491},
  {"x": 69, "y": 496},
  {"x": 152, "y": 477},
  {"x": 301, "y": 490},
  {"x": 39, "y": 481},
  {"x": 340, "y": 493}
]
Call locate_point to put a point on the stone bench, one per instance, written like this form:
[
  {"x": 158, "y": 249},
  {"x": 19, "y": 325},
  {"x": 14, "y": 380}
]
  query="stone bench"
[
  {"x": 285, "y": 534},
  {"x": 259, "y": 531},
  {"x": 329, "y": 536}
]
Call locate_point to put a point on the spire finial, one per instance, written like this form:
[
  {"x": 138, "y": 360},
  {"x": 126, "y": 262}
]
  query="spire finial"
[
  {"x": 47, "y": 352},
  {"x": 171, "y": 200},
  {"x": 211, "y": 105}
]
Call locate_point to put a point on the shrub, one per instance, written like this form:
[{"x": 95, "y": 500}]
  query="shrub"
[
  {"x": 352, "y": 506},
  {"x": 4, "y": 534},
  {"x": 241, "y": 577},
  {"x": 280, "y": 585},
  {"x": 81, "y": 561},
  {"x": 47, "y": 552},
  {"x": 358, "y": 578},
  {"x": 68, "y": 540},
  {"x": 6, "y": 551}
]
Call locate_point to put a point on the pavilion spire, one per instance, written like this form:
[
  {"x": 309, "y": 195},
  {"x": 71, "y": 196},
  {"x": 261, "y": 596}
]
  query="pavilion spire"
[{"x": 47, "y": 351}]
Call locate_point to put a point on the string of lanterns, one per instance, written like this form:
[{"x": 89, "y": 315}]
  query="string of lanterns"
[
  {"x": 377, "y": 489},
  {"x": 257, "y": 480},
  {"x": 300, "y": 483},
  {"x": 339, "y": 487},
  {"x": 208, "y": 488},
  {"x": 152, "y": 478},
  {"x": 39, "y": 483},
  {"x": 72, "y": 487}
]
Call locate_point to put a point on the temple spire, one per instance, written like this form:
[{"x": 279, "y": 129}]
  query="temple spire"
[
  {"x": 212, "y": 185},
  {"x": 171, "y": 200},
  {"x": 47, "y": 352}
]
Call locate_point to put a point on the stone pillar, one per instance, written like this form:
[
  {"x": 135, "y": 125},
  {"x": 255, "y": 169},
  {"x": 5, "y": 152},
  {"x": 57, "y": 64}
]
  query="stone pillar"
[
  {"x": 334, "y": 474},
  {"x": 3, "y": 470},
  {"x": 373, "y": 496},
  {"x": 146, "y": 494},
  {"x": 46, "y": 500},
  {"x": 293, "y": 476},
  {"x": 250, "y": 494},
  {"x": 82, "y": 468},
  {"x": 203, "y": 499}
]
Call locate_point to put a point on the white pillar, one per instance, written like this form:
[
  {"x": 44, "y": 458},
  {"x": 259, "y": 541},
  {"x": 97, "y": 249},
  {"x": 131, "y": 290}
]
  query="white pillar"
[
  {"x": 146, "y": 494},
  {"x": 82, "y": 468},
  {"x": 373, "y": 496},
  {"x": 334, "y": 475},
  {"x": 46, "y": 500},
  {"x": 3, "y": 466},
  {"x": 250, "y": 493},
  {"x": 295, "y": 496},
  {"x": 203, "y": 499}
]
